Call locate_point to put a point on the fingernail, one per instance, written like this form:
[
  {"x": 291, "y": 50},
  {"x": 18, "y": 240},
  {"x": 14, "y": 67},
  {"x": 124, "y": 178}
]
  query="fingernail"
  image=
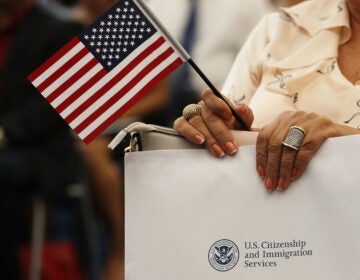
[
  {"x": 218, "y": 151},
  {"x": 268, "y": 184},
  {"x": 199, "y": 139},
  {"x": 281, "y": 184},
  {"x": 230, "y": 148},
  {"x": 261, "y": 171}
]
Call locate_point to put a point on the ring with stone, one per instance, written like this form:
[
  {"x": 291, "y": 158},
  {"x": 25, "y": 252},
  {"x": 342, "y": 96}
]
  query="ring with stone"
[{"x": 294, "y": 138}]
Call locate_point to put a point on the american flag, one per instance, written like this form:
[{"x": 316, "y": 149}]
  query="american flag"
[{"x": 105, "y": 70}]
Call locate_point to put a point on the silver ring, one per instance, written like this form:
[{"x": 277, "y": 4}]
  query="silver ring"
[
  {"x": 294, "y": 138},
  {"x": 191, "y": 110}
]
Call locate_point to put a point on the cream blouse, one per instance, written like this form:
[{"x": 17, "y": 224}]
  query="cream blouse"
[{"x": 290, "y": 63}]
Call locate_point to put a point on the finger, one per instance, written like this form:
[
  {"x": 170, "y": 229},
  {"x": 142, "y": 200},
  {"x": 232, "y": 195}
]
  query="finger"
[
  {"x": 188, "y": 131},
  {"x": 216, "y": 105},
  {"x": 306, "y": 152},
  {"x": 195, "y": 129},
  {"x": 221, "y": 109},
  {"x": 268, "y": 153},
  {"x": 262, "y": 151},
  {"x": 273, "y": 162},
  {"x": 210, "y": 142},
  {"x": 288, "y": 157},
  {"x": 245, "y": 113},
  {"x": 219, "y": 130}
]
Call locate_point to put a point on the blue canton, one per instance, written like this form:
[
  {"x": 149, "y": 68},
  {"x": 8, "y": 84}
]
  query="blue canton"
[{"x": 117, "y": 33}]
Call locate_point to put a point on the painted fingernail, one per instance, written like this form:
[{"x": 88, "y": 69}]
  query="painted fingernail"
[
  {"x": 268, "y": 184},
  {"x": 281, "y": 184},
  {"x": 261, "y": 171},
  {"x": 199, "y": 139},
  {"x": 230, "y": 148},
  {"x": 217, "y": 150}
]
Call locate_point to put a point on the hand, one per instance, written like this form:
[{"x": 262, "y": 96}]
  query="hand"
[
  {"x": 213, "y": 127},
  {"x": 278, "y": 164}
]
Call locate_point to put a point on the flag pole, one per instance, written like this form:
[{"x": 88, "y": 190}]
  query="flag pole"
[
  {"x": 218, "y": 94},
  {"x": 142, "y": 6}
]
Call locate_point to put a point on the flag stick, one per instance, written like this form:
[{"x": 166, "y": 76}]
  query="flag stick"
[
  {"x": 218, "y": 94},
  {"x": 187, "y": 57}
]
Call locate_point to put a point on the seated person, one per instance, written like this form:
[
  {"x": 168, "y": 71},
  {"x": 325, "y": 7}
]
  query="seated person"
[{"x": 299, "y": 75}]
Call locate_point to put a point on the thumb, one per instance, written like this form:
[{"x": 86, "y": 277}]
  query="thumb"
[{"x": 245, "y": 113}]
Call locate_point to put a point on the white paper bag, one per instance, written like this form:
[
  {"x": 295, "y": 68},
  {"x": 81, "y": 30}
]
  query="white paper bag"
[{"x": 192, "y": 216}]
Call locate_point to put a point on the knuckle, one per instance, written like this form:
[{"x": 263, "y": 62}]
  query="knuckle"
[
  {"x": 202, "y": 104},
  {"x": 220, "y": 110},
  {"x": 272, "y": 167},
  {"x": 261, "y": 159},
  {"x": 285, "y": 114},
  {"x": 286, "y": 165},
  {"x": 301, "y": 161},
  {"x": 179, "y": 123},
  {"x": 205, "y": 93},
  {"x": 222, "y": 135},
  {"x": 312, "y": 115},
  {"x": 210, "y": 117},
  {"x": 261, "y": 155},
  {"x": 310, "y": 145},
  {"x": 261, "y": 149},
  {"x": 261, "y": 139},
  {"x": 274, "y": 147},
  {"x": 196, "y": 121},
  {"x": 300, "y": 113},
  {"x": 325, "y": 121}
]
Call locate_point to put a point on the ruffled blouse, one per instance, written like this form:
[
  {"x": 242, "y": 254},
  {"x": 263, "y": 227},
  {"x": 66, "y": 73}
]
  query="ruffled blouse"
[{"x": 290, "y": 62}]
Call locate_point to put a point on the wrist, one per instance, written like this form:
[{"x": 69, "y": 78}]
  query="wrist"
[{"x": 345, "y": 130}]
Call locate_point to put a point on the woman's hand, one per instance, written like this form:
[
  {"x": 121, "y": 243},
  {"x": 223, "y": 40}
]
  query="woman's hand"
[
  {"x": 212, "y": 127},
  {"x": 278, "y": 164}
]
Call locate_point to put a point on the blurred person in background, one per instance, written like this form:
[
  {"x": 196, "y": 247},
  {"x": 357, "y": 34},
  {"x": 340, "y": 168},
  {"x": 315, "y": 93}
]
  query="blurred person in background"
[
  {"x": 37, "y": 150},
  {"x": 60, "y": 8}
]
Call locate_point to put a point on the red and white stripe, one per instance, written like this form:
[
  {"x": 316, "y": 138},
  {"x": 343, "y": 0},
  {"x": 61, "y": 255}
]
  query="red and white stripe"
[{"x": 87, "y": 96}]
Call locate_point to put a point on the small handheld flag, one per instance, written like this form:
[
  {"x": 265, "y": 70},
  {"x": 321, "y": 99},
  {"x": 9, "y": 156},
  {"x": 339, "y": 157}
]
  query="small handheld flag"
[{"x": 105, "y": 70}]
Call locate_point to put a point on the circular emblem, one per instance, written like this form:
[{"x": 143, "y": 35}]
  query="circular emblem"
[{"x": 223, "y": 255}]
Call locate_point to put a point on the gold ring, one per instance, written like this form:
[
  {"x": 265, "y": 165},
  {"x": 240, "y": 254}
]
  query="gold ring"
[{"x": 191, "y": 110}]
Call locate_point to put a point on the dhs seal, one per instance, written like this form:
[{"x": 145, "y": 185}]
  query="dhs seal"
[{"x": 223, "y": 255}]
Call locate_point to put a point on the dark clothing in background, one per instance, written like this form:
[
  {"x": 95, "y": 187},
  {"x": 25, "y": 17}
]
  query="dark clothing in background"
[{"x": 41, "y": 155}]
